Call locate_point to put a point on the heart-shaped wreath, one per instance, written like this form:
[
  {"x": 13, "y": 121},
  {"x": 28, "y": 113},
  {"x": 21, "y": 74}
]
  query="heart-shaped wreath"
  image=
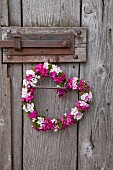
[{"x": 42, "y": 123}]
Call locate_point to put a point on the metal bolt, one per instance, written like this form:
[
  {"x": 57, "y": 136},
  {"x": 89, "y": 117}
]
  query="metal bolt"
[
  {"x": 75, "y": 56},
  {"x": 79, "y": 32},
  {"x": 65, "y": 43},
  {"x": 8, "y": 31},
  {"x": 9, "y": 57}
]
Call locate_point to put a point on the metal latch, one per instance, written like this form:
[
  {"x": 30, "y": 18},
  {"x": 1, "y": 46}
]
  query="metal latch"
[
  {"x": 42, "y": 44},
  {"x": 38, "y": 44}
]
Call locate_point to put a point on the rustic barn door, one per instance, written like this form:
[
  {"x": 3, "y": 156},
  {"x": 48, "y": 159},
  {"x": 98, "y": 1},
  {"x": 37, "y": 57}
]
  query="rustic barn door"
[{"x": 88, "y": 144}]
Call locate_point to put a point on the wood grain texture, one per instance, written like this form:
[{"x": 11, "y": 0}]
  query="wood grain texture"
[
  {"x": 14, "y": 12},
  {"x": 15, "y": 73},
  {"x": 48, "y": 151},
  {"x": 96, "y": 129},
  {"x": 5, "y": 111},
  {"x": 51, "y": 13},
  {"x": 4, "y": 12}
]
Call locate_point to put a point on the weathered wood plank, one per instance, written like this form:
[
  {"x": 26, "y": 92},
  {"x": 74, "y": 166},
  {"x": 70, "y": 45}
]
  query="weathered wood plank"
[
  {"x": 51, "y": 13},
  {"x": 4, "y": 13},
  {"x": 51, "y": 150},
  {"x": 14, "y": 12},
  {"x": 96, "y": 129},
  {"x": 5, "y": 110},
  {"x": 15, "y": 73}
]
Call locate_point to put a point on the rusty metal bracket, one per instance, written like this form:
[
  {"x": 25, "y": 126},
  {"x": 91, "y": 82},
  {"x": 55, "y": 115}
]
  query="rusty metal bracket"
[
  {"x": 42, "y": 44},
  {"x": 38, "y": 44}
]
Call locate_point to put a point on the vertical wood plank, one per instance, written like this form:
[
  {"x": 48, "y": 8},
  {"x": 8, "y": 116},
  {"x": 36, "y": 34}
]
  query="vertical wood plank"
[
  {"x": 48, "y": 151},
  {"x": 96, "y": 129},
  {"x": 5, "y": 110},
  {"x": 15, "y": 73}
]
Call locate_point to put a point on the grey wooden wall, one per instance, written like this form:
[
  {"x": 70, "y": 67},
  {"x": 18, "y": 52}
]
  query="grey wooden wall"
[{"x": 87, "y": 145}]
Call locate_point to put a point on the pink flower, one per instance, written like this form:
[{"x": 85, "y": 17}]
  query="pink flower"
[
  {"x": 53, "y": 74},
  {"x": 64, "y": 122},
  {"x": 48, "y": 125},
  {"x": 81, "y": 105},
  {"x": 70, "y": 83},
  {"x": 32, "y": 90},
  {"x": 44, "y": 72},
  {"x": 32, "y": 114},
  {"x": 82, "y": 82},
  {"x": 78, "y": 116},
  {"x": 70, "y": 120},
  {"x": 29, "y": 98},
  {"x": 29, "y": 77},
  {"x": 61, "y": 92},
  {"x": 80, "y": 88},
  {"x": 38, "y": 67},
  {"x": 60, "y": 79}
]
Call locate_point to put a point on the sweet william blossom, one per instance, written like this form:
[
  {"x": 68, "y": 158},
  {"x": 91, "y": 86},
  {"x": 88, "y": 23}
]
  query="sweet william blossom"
[
  {"x": 29, "y": 107},
  {"x": 81, "y": 105}
]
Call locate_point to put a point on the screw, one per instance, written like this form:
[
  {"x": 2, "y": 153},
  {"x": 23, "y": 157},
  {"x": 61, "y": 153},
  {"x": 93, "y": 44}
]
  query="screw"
[
  {"x": 75, "y": 56},
  {"x": 8, "y": 31},
  {"x": 9, "y": 57},
  {"x": 79, "y": 32}
]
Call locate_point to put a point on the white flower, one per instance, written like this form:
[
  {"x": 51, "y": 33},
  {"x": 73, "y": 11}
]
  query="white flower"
[
  {"x": 56, "y": 128},
  {"x": 25, "y": 82},
  {"x": 65, "y": 114},
  {"x": 40, "y": 121},
  {"x": 76, "y": 114},
  {"x": 90, "y": 96},
  {"x": 74, "y": 111},
  {"x": 30, "y": 72},
  {"x": 24, "y": 92},
  {"x": 38, "y": 77},
  {"x": 87, "y": 97},
  {"x": 34, "y": 81},
  {"x": 55, "y": 69},
  {"x": 33, "y": 119},
  {"x": 29, "y": 107},
  {"x": 74, "y": 83},
  {"x": 54, "y": 121},
  {"x": 46, "y": 65}
]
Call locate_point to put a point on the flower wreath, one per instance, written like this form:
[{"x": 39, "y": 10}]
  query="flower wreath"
[{"x": 42, "y": 123}]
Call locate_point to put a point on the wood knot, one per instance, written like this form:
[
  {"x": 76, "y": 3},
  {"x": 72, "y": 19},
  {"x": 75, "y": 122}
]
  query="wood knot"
[
  {"x": 87, "y": 9},
  {"x": 87, "y": 149}
]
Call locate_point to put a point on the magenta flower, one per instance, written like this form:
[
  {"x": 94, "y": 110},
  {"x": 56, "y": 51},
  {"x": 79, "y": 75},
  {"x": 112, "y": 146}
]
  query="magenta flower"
[
  {"x": 48, "y": 124},
  {"x": 70, "y": 83},
  {"x": 81, "y": 105},
  {"x": 29, "y": 98},
  {"x": 70, "y": 120},
  {"x": 29, "y": 77},
  {"x": 60, "y": 79},
  {"x": 32, "y": 114},
  {"x": 38, "y": 67},
  {"x": 64, "y": 122},
  {"x": 61, "y": 92},
  {"x": 82, "y": 82},
  {"x": 32, "y": 90},
  {"x": 44, "y": 72},
  {"x": 53, "y": 74}
]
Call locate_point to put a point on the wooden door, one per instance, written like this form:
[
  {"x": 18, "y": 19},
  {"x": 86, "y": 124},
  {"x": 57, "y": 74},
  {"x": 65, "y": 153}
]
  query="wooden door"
[{"x": 87, "y": 145}]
